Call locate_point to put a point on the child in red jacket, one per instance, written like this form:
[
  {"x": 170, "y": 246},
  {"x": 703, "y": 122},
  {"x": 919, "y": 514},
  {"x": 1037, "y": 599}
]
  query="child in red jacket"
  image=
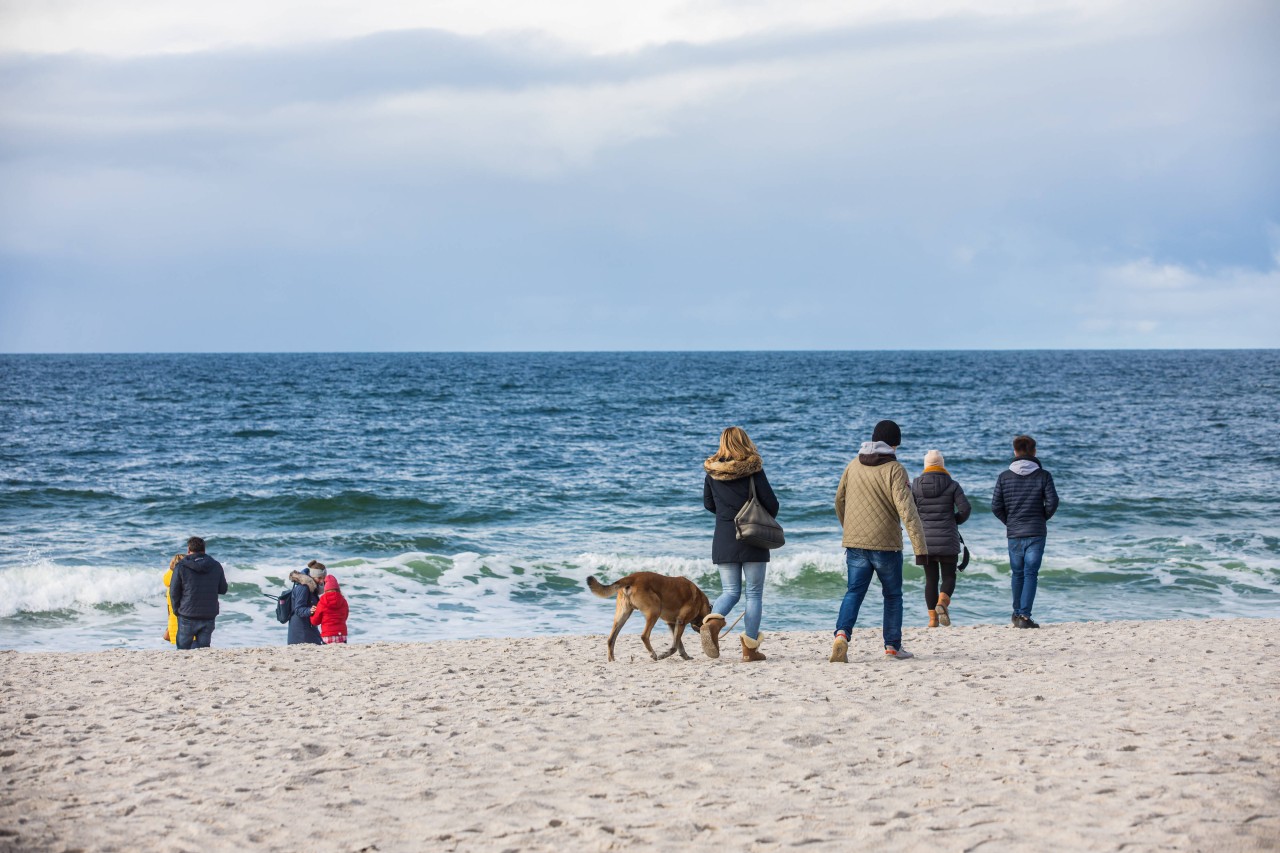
[{"x": 331, "y": 613}]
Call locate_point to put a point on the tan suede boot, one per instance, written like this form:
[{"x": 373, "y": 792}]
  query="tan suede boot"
[
  {"x": 710, "y": 633},
  {"x": 933, "y": 619},
  {"x": 751, "y": 649},
  {"x": 944, "y": 617}
]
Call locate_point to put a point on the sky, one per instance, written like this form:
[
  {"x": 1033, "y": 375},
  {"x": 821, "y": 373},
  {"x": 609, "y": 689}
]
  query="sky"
[{"x": 488, "y": 175}]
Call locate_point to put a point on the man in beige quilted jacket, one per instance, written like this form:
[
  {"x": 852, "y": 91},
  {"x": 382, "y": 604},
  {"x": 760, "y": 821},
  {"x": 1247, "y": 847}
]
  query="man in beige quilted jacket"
[{"x": 873, "y": 501}]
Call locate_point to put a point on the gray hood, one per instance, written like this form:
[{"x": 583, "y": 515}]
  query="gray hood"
[
  {"x": 874, "y": 448},
  {"x": 1023, "y": 467}
]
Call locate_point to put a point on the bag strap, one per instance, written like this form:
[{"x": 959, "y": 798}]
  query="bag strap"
[{"x": 751, "y": 485}]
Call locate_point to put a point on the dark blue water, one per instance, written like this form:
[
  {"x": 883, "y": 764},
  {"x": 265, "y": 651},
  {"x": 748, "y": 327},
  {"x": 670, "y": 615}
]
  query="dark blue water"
[{"x": 464, "y": 495}]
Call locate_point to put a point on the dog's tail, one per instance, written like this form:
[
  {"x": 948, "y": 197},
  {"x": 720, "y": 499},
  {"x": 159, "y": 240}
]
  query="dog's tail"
[{"x": 612, "y": 589}]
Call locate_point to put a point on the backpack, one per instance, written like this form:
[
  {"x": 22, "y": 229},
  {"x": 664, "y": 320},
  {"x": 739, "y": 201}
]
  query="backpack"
[{"x": 284, "y": 607}]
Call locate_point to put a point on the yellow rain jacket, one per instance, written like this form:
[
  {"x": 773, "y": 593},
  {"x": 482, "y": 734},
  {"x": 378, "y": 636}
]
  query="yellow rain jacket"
[{"x": 173, "y": 617}]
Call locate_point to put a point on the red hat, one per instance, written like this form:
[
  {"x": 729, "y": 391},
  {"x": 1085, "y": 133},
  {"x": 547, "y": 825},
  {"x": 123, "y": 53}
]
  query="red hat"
[{"x": 330, "y": 582}]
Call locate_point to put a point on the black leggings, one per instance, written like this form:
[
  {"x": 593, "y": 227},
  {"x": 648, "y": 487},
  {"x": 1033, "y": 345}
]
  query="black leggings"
[{"x": 932, "y": 569}]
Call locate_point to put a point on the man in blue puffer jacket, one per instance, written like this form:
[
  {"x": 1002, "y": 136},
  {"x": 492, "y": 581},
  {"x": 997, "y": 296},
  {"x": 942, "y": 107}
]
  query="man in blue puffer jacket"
[{"x": 1024, "y": 499}]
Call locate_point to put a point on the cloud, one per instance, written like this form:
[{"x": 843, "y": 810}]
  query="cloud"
[{"x": 953, "y": 159}]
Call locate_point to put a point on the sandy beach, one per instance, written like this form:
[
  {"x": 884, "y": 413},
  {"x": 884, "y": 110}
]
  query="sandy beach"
[{"x": 1081, "y": 736}]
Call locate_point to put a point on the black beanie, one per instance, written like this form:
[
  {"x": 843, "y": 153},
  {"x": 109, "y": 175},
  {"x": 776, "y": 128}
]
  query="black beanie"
[{"x": 888, "y": 432}]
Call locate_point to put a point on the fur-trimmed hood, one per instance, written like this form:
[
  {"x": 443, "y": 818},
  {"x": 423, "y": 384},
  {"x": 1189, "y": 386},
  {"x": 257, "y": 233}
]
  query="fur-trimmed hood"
[
  {"x": 307, "y": 580},
  {"x": 733, "y": 469}
]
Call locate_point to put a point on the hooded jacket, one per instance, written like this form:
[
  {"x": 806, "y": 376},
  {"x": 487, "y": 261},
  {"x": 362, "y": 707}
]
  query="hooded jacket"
[
  {"x": 942, "y": 506},
  {"x": 725, "y": 489},
  {"x": 172, "y": 630},
  {"x": 305, "y": 594},
  {"x": 1024, "y": 498},
  {"x": 874, "y": 502},
  {"x": 330, "y": 613},
  {"x": 195, "y": 586}
]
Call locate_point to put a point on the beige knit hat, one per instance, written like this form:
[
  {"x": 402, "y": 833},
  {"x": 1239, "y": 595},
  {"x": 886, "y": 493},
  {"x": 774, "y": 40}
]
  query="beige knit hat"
[{"x": 933, "y": 459}]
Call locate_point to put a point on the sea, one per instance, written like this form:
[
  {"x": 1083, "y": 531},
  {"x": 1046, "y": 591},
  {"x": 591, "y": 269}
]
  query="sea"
[{"x": 471, "y": 495}]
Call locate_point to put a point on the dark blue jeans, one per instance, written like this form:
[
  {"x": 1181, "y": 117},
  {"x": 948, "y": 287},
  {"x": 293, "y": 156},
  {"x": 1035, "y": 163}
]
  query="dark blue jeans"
[
  {"x": 1025, "y": 554},
  {"x": 194, "y": 633},
  {"x": 887, "y": 566}
]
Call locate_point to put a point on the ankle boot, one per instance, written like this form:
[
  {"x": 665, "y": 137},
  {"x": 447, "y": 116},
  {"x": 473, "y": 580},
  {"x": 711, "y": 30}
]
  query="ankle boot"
[
  {"x": 933, "y": 619},
  {"x": 944, "y": 612},
  {"x": 710, "y": 633},
  {"x": 751, "y": 648}
]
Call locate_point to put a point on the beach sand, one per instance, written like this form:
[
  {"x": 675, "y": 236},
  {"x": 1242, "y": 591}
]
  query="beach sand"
[{"x": 1093, "y": 736}]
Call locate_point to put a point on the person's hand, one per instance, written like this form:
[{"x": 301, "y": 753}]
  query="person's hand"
[{"x": 166, "y": 636}]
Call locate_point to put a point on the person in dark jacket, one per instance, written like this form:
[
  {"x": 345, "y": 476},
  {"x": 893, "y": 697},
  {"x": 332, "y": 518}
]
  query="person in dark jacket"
[
  {"x": 308, "y": 584},
  {"x": 942, "y": 507},
  {"x": 725, "y": 489},
  {"x": 1024, "y": 499},
  {"x": 197, "y": 581}
]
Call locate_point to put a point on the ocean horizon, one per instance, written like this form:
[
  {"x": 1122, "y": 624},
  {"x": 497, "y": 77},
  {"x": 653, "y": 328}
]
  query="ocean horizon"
[{"x": 461, "y": 495}]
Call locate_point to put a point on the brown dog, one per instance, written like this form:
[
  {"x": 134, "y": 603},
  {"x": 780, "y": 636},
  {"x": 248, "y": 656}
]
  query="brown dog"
[{"x": 678, "y": 602}]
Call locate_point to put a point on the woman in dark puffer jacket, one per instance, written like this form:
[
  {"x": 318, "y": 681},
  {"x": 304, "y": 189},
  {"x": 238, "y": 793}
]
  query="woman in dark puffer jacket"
[
  {"x": 942, "y": 507},
  {"x": 731, "y": 472}
]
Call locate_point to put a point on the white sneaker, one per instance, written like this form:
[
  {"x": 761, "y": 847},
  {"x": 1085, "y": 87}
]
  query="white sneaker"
[{"x": 897, "y": 654}]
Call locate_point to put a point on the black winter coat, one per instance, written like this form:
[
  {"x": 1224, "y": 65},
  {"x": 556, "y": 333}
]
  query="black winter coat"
[
  {"x": 197, "y": 582},
  {"x": 725, "y": 498},
  {"x": 1024, "y": 502},
  {"x": 942, "y": 506}
]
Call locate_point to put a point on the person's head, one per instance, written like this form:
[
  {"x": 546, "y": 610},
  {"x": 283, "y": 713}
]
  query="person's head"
[
  {"x": 934, "y": 459},
  {"x": 735, "y": 446},
  {"x": 317, "y": 570},
  {"x": 1024, "y": 445},
  {"x": 173, "y": 564},
  {"x": 195, "y": 545},
  {"x": 330, "y": 583},
  {"x": 888, "y": 432}
]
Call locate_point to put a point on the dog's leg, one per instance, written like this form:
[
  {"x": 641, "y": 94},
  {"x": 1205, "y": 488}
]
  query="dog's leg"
[
  {"x": 674, "y": 642},
  {"x": 679, "y": 644},
  {"x": 621, "y": 614},
  {"x": 649, "y": 621}
]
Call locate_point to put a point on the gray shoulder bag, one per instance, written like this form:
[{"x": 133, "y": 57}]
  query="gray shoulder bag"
[{"x": 754, "y": 524}]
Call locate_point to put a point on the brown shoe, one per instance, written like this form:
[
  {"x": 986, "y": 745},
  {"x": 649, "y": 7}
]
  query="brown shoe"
[
  {"x": 944, "y": 614},
  {"x": 751, "y": 649},
  {"x": 710, "y": 633},
  {"x": 933, "y": 619}
]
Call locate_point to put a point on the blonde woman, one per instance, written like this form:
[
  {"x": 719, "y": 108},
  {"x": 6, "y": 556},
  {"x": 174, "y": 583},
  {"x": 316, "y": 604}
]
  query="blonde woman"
[
  {"x": 171, "y": 631},
  {"x": 726, "y": 487}
]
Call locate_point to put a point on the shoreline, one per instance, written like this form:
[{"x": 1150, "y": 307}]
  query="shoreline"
[{"x": 1079, "y": 736}]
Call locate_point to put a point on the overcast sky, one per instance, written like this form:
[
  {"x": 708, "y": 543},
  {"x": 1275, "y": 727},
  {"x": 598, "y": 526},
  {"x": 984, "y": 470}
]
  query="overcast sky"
[{"x": 581, "y": 175}]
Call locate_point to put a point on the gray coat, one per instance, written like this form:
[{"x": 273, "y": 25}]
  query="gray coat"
[{"x": 942, "y": 507}]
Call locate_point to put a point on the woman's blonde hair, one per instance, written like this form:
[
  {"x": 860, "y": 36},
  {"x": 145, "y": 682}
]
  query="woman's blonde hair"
[
  {"x": 735, "y": 446},
  {"x": 177, "y": 558}
]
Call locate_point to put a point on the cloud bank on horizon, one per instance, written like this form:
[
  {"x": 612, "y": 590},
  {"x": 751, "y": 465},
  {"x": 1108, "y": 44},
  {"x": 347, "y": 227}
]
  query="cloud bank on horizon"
[{"x": 679, "y": 175}]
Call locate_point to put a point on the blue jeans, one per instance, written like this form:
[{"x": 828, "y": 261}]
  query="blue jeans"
[
  {"x": 887, "y": 566},
  {"x": 1025, "y": 554},
  {"x": 731, "y": 575},
  {"x": 194, "y": 633}
]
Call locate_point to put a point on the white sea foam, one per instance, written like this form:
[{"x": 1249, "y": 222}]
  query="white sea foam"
[
  {"x": 44, "y": 586},
  {"x": 417, "y": 595}
]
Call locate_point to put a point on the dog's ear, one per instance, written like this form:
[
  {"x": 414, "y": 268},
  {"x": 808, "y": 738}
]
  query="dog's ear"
[{"x": 696, "y": 623}]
